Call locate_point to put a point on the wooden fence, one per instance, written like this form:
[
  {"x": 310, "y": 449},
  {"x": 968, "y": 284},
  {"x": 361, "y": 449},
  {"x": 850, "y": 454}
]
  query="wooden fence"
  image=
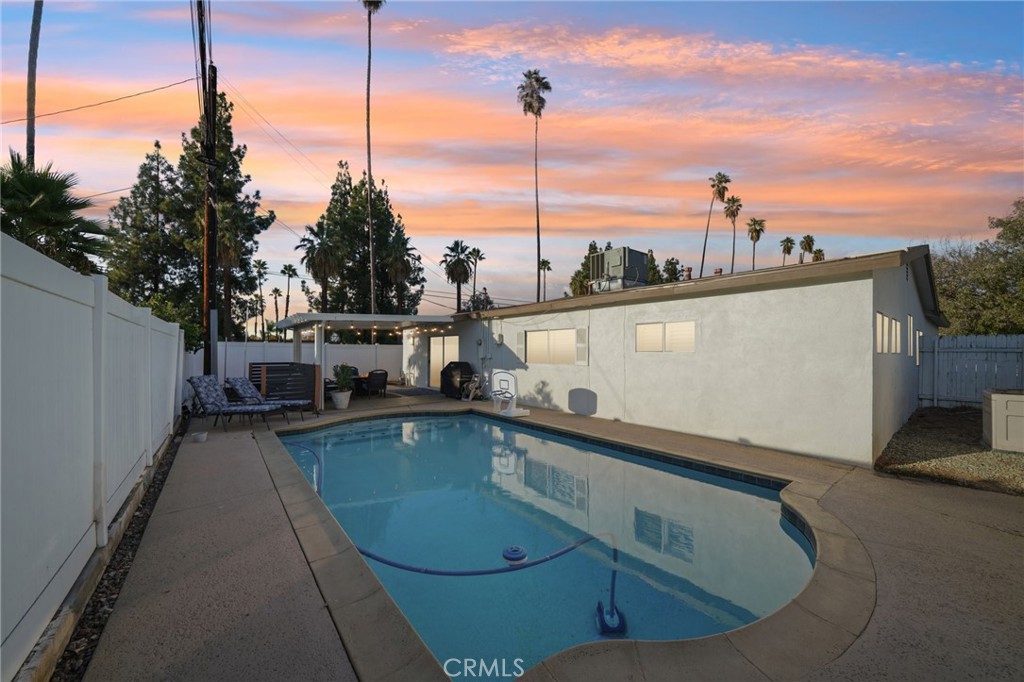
[{"x": 957, "y": 369}]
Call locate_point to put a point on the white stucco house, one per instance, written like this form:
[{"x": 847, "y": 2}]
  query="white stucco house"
[{"x": 817, "y": 358}]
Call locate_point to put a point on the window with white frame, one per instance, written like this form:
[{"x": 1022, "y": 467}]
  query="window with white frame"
[
  {"x": 666, "y": 337},
  {"x": 552, "y": 346}
]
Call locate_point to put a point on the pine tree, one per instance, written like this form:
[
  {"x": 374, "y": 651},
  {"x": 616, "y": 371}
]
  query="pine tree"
[
  {"x": 671, "y": 270},
  {"x": 144, "y": 253},
  {"x": 239, "y": 219}
]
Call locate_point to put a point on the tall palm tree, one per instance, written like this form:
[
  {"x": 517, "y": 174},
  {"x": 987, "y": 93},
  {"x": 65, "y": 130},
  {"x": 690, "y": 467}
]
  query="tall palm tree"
[
  {"x": 288, "y": 271},
  {"x": 733, "y": 206},
  {"x": 30, "y": 89},
  {"x": 545, "y": 268},
  {"x": 787, "y": 245},
  {"x": 372, "y": 7},
  {"x": 806, "y": 246},
  {"x": 259, "y": 267},
  {"x": 457, "y": 268},
  {"x": 476, "y": 255},
  {"x": 719, "y": 186},
  {"x": 755, "y": 228},
  {"x": 531, "y": 96},
  {"x": 276, "y": 293},
  {"x": 818, "y": 255},
  {"x": 39, "y": 210}
]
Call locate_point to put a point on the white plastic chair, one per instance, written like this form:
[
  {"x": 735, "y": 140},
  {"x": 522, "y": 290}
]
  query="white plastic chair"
[{"x": 504, "y": 393}]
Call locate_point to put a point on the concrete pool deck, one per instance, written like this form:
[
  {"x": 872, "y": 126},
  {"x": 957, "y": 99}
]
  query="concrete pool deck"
[{"x": 242, "y": 575}]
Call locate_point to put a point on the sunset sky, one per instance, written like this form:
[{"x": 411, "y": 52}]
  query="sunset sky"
[{"x": 870, "y": 125}]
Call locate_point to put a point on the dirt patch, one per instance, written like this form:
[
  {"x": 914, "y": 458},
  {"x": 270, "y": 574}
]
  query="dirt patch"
[{"x": 945, "y": 444}]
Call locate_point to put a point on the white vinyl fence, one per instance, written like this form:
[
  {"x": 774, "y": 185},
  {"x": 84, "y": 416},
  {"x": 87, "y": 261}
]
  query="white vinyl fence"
[
  {"x": 233, "y": 357},
  {"x": 956, "y": 370},
  {"x": 91, "y": 390}
]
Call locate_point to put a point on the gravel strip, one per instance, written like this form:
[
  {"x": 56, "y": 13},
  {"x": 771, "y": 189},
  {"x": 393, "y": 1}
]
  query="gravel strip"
[
  {"x": 75, "y": 660},
  {"x": 945, "y": 444}
]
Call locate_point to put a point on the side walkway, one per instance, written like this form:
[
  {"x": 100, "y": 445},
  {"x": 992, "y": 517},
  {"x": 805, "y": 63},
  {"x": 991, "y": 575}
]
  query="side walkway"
[{"x": 219, "y": 589}]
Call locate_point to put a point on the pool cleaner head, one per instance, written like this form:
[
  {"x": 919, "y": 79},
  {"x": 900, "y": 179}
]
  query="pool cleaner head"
[
  {"x": 610, "y": 621},
  {"x": 514, "y": 555}
]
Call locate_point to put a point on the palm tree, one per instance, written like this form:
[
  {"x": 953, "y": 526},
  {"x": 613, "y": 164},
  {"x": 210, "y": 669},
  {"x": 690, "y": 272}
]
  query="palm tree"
[
  {"x": 288, "y": 271},
  {"x": 755, "y": 228},
  {"x": 372, "y": 7},
  {"x": 229, "y": 256},
  {"x": 733, "y": 206},
  {"x": 476, "y": 255},
  {"x": 578, "y": 285},
  {"x": 545, "y": 268},
  {"x": 260, "y": 268},
  {"x": 30, "y": 89},
  {"x": 531, "y": 96},
  {"x": 276, "y": 293},
  {"x": 39, "y": 210},
  {"x": 719, "y": 186},
  {"x": 806, "y": 246},
  {"x": 457, "y": 268},
  {"x": 787, "y": 245},
  {"x": 322, "y": 256},
  {"x": 818, "y": 256},
  {"x": 399, "y": 259}
]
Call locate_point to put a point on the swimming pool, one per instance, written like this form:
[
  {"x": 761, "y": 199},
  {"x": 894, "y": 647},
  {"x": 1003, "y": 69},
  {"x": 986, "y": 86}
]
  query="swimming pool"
[{"x": 691, "y": 554}]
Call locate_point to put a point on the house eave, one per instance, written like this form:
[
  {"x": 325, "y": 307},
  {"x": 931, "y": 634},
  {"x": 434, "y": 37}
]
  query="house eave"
[{"x": 843, "y": 269}]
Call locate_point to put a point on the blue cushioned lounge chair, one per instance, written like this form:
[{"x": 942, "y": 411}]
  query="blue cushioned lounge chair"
[
  {"x": 214, "y": 401},
  {"x": 251, "y": 395}
]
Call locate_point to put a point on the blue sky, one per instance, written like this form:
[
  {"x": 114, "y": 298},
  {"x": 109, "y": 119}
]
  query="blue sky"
[{"x": 870, "y": 125}]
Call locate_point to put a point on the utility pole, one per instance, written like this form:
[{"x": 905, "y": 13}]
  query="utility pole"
[{"x": 209, "y": 158}]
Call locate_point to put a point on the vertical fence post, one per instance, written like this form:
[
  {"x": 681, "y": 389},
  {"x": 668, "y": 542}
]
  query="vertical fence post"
[
  {"x": 99, "y": 381},
  {"x": 935, "y": 373},
  {"x": 179, "y": 376},
  {"x": 147, "y": 386}
]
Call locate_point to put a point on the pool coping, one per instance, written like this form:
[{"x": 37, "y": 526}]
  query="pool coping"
[{"x": 809, "y": 632}]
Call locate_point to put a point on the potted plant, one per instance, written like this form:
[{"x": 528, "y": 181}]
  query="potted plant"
[{"x": 343, "y": 382}]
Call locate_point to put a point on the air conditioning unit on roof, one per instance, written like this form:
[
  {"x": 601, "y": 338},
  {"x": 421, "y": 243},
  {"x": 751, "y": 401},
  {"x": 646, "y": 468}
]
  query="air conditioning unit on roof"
[{"x": 619, "y": 268}]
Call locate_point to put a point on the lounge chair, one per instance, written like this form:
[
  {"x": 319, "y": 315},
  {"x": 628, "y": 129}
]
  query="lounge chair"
[
  {"x": 377, "y": 380},
  {"x": 251, "y": 395},
  {"x": 504, "y": 393},
  {"x": 214, "y": 400}
]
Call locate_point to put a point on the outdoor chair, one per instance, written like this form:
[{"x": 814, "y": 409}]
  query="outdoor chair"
[
  {"x": 505, "y": 393},
  {"x": 214, "y": 400},
  {"x": 377, "y": 380},
  {"x": 251, "y": 395}
]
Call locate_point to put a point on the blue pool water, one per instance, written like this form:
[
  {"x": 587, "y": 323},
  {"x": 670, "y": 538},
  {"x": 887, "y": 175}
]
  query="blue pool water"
[{"x": 696, "y": 554}]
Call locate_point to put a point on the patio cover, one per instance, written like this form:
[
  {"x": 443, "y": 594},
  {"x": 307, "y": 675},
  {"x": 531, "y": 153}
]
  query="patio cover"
[{"x": 321, "y": 323}]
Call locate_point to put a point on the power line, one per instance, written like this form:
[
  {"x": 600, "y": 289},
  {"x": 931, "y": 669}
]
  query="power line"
[
  {"x": 112, "y": 191},
  {"x": 247, "y": 105},
  {"x": 97, "y": 104}
]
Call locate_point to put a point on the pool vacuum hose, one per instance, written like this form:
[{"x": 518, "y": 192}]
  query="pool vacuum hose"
[{"x": 610, "y": 621}]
